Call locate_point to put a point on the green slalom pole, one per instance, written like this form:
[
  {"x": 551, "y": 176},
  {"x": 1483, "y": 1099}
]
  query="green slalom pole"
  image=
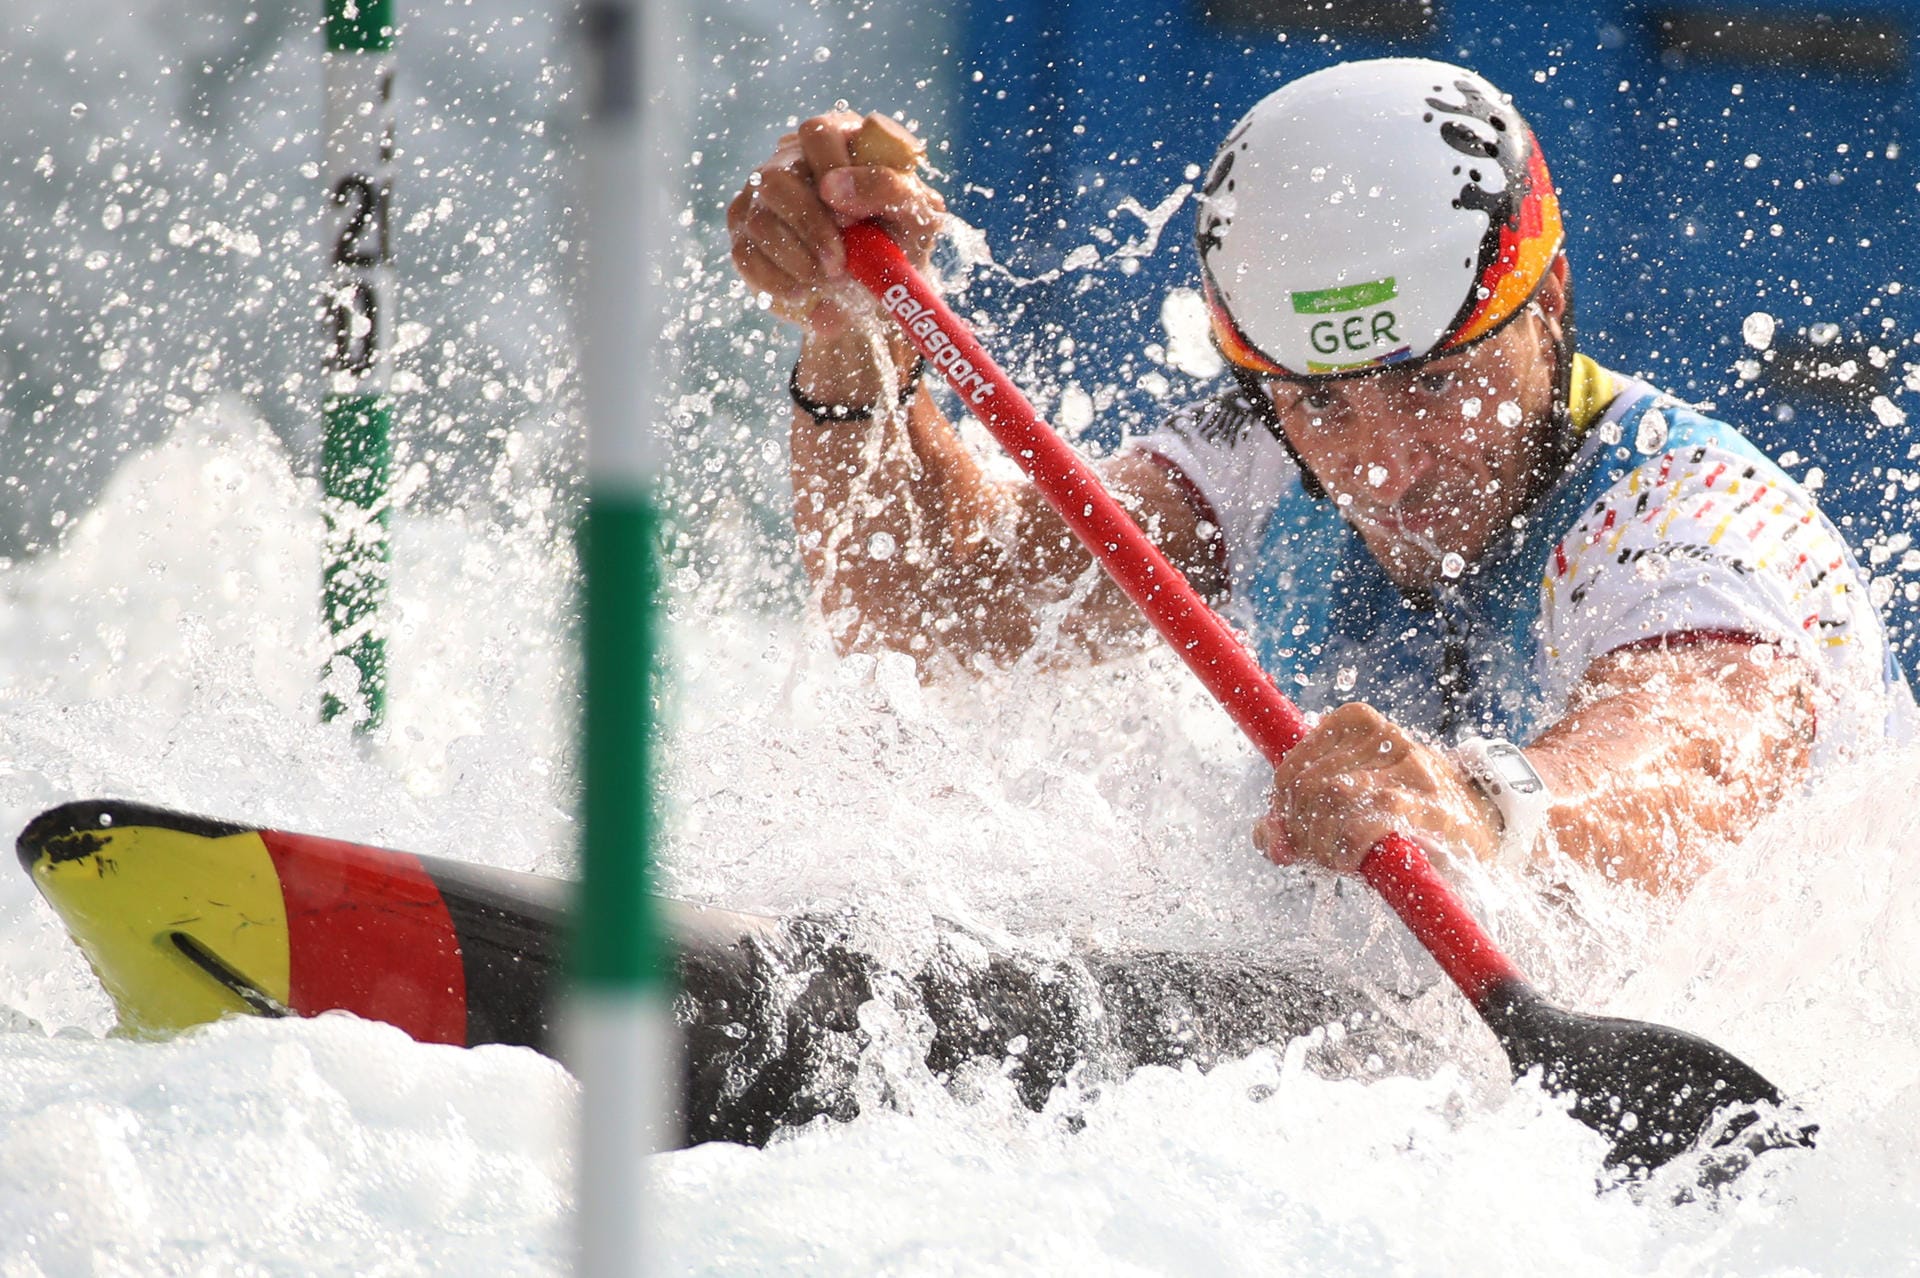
[
  {"x": 356, "y": 458},
  {"x": 622, "y": 1043}
]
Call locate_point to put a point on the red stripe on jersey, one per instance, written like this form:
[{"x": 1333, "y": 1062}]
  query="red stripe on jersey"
[
  {"x": 1202, "y": 508},
  {"x": 1689, "y": 638}
]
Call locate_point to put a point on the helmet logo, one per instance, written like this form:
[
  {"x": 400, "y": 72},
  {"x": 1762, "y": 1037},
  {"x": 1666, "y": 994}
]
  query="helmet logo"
[
  {"x": 1506, "y": 148},
  {"x": 1522, "y": 217},
  {"x": 1216, "y": 218}
]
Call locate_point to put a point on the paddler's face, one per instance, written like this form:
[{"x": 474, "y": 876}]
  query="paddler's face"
[{"x": 1435, "y": 461}]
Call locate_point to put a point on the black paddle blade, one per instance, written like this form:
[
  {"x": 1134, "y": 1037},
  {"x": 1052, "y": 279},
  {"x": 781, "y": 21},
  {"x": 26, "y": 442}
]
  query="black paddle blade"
[{"x": 1650, "y": 1090}]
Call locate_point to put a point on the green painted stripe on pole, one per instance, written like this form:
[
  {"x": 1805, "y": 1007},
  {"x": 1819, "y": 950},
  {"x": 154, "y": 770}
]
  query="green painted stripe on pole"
[
  {"x": 356, "y": 466},
  {"x": 359, "y": 26},
  {"x": 619, "y": 941},
  {"x": 356, "y": 460}
]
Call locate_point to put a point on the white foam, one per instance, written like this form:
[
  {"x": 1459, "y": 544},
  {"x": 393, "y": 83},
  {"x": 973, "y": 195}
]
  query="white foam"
[{"x": 1106, "y": 805}]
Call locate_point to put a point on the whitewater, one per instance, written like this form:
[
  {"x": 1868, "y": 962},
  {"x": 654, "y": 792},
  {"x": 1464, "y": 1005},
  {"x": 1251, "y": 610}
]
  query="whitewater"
[
  {"x": 160, "y": 619},
  {"x": 150, "y": 659}
]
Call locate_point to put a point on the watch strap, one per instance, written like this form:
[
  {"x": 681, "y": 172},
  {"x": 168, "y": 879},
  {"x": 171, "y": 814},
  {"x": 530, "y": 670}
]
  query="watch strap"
[{"x": 1501, "y": 770}]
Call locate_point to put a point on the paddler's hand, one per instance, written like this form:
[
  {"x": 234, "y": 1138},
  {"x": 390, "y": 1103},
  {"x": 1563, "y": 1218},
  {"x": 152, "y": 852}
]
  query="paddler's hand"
[
  {"x": 1358, "y": 777},
  {"x": 835, "y": 170}
]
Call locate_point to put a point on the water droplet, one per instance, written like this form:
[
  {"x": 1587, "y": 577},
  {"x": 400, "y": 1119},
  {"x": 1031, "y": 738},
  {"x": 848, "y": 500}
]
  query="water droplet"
[
  {"x": 78, "y": 110},
  {"x": 881, "y": 545},
  {"x": 1376, "y": 476},
  {"x": 822, "y": 53},
  {"x": 1651, "y": 436},
  {"x": 112, "y": 216},
  {"x": 1345, "y": 678},
  {"x": 1508, "y": 413},
  {"x": 1076, "y": 409},
  {"x": 1757, "y": 329},
  {"x": 1752, "y": 161},
  {"x": 1452, "y": 565},
  {"x": 1470, "y": 408}
]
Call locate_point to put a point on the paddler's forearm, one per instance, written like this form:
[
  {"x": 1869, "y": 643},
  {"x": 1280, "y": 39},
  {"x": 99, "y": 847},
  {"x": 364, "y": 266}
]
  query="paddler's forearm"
[
  {"x": 914, "y": 549},
  {"x": 1666, "y": 753},
  {"x": 893, "y": 515}
]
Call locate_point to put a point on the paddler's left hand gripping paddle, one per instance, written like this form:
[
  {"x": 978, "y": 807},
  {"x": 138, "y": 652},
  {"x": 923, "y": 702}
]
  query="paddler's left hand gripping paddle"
[{"x": 1651, "y": 1091}]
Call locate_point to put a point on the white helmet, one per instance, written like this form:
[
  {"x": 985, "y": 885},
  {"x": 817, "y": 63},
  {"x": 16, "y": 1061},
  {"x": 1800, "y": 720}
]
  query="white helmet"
[{"x": 1373, "y": 213}]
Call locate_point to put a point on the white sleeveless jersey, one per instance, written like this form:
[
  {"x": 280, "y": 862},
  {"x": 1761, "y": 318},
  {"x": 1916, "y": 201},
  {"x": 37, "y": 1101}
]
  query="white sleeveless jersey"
[{"x": 1668, "y": 527}]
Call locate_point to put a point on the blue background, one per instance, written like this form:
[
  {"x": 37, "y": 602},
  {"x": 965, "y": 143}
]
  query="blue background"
[{"x": 1067, "y": 108}]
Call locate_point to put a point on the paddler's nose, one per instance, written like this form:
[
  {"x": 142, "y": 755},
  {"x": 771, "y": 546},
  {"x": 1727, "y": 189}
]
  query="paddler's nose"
[{"x": 1356, "y": 438}]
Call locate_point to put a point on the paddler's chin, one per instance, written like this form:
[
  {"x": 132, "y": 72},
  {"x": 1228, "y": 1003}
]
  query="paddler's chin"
[{"x": 1419, "y": 552}]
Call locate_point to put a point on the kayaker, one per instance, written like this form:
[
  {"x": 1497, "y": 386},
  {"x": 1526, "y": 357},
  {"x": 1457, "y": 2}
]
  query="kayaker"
[{"x": 1538, "y": 604}]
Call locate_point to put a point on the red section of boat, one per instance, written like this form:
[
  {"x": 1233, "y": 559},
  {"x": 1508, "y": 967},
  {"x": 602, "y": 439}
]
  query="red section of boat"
[{"x": 368, "y": 932}]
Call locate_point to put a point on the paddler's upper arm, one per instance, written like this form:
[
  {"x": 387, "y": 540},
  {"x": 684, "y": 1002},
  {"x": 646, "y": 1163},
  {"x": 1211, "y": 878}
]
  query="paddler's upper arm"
[
  {"x": 1707, "y": 540},
  {"x": 1722, "y": 699},
  {"x": 1171, "y": 510},
  {"x": 1670, "y": 744}
]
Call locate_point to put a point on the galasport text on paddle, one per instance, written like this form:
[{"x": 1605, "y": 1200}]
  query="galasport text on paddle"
[{"x": 1650, "y": 1090}]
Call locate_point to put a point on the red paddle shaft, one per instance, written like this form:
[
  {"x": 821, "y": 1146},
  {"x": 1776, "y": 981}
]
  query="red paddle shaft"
[{"x": 1395, "y": 867}]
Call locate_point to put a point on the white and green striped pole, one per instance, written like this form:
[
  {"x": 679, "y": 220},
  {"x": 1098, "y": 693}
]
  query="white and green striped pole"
[
  {"x": 356, "y": 458},
  {"x": 621, "y": 1032}
]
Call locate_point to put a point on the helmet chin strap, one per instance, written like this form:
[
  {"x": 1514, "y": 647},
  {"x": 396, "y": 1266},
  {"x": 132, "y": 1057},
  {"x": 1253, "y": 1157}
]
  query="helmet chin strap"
[
  {"x": 1255, "y": 392},
  {"x": 1563, "y": 437}
]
